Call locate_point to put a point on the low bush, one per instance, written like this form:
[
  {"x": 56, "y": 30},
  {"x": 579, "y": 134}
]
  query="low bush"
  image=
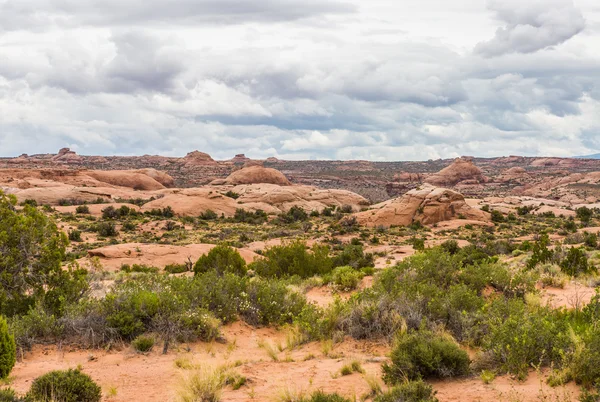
[
  {"x": 221, "y": 259},
  {"x": 9, "y": 395},
  {"x": 409, "y": 391},
  {"x": 294, "y": 214},
  {"x": 143, "y": 343},
  {"x": 82, "y": 209},
  {"x": 423, "y": 354},
  {"x": 517, "y": 336},
  {"x": 65, "y": 386},
  {"x": 106, "y": 229},
  {"x": 320, "y": 396},
  {"x": 208, "y": 215},
  {"x": 257, "y": 217},
  {"x": 177, "y": 268},
  {"x": 75, "y": 235},
  {"x": 345, "y": 278},
  {"x": 353, "y": 255},
  {"x": 293, "y": 259}
]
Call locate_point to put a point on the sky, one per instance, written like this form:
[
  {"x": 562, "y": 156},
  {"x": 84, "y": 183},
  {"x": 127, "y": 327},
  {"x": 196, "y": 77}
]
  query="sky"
[{"x": 381, "y": 80}]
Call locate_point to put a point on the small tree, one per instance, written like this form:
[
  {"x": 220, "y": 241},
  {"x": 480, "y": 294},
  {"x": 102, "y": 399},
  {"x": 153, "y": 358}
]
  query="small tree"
[
  {"x": 221, "y": 259},
  {"x": 8, "y": 350},
  {"x": 584, "y": 214},
  {"x": 31, "y": 253},
  {"x": 575, "y": 262}
]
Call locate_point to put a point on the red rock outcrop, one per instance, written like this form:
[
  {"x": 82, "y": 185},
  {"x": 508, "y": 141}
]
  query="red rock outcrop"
[
  {"x": 427, "y": 205},
  {"x": 460, "y": 170}
]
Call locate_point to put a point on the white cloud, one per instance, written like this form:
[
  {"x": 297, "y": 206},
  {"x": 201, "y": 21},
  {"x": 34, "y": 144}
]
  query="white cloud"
[{"x": 338, "y": 80}]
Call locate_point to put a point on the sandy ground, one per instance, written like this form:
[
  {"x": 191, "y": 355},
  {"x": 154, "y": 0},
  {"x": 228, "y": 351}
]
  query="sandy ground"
[
  {"x": 155, "y": 377},
  {"x": 572, "y": 296}
]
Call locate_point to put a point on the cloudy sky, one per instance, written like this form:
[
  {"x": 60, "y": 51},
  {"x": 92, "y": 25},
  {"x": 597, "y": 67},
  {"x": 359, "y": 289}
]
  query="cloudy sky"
[{"x": 301, "y": 79}]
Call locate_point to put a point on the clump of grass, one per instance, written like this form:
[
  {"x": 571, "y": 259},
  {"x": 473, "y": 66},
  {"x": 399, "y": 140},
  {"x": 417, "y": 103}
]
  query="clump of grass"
[
  {"x": 352, "y": 367},
  {"x": 204, "y": 384},
  {"x": 487, "y": 376},
  {"x": 111, "y": 392},
  {"x": 271, "y": 350},
  {"x": 184, "y": 363}
]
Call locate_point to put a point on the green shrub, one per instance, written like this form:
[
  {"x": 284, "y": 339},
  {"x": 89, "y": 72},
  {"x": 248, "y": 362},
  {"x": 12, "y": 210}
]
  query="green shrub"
[
  {"x": 450, "y": 246},
  {"x": 293, "y": 259},
  {"x": 294, "y": 214},
  {"x": 541, "y": 253},
  {"x": 82, "y": 209},
  {"x": 320, "y": 396},
  {"x": 75, "y": 235},
  {"x": 409, "y": 391},
  {"x": 255, "y": 218},
  {"x": 232, "y": 194},
  {"x": 106, "y": 229},
  {"x": 423, "y": 354},
  {"x": 497, "y": 216},
  {"x": 8, "y": 350},
  {"x": 518, "y": 336},
  {"x": 353, "y": 255},
  {"x": 576, "y": 262},
  {"x": 65, "y": 386},
  {"x": 9, "y": 395},
  {"x": 585, "y": 367},
  {"x": 208, "y": 215},
  {"x": 143, "y": 343},
  {"x": 32, "y": 252},
  {"x": 271, "y": 303},
  {"x": 221, "y": 259},
  {"x": 345, "y": 278},
  {"x": 176, "y": 268}
]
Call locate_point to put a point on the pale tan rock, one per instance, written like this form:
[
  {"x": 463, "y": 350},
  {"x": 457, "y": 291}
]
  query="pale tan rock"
[{"x": 253, "y": 175}]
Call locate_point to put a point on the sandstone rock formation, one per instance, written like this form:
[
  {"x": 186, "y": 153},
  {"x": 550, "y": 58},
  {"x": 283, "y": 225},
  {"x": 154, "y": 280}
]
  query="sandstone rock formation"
[
  {"x": 197, "y": 158},
  {"x": 460, "y": 170},
  {"x": 67, "y": 156},
  {"x": 427, "y": 205},
  {"x": 271, "y": 198},
  {"x": 255, "y": 175}
]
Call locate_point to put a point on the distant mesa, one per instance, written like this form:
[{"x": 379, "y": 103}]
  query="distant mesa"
[
  {"x": 254, "y": 175},
  {"x": 460, "y": 170},
  {"x": 272, "y": 159},
  {"x": 66, "y": 155},
  {"x": 427, "y": 205},
  {"x": 240, "y": 159}
]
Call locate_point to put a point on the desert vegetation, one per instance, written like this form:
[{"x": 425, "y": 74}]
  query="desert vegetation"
[{"x": 467, "y": 302}]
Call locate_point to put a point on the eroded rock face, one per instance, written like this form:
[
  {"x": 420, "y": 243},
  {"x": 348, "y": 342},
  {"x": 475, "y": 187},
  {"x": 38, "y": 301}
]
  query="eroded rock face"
[
  {"x": 460, "y": 170},
  {"x": 255, "y": 175},
  {"x": 427, "y": 205}
]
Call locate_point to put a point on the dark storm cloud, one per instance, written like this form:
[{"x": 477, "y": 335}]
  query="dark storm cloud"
[
  {"x": 531, "y": 25},
  {"x": 37, "y": 14}
]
